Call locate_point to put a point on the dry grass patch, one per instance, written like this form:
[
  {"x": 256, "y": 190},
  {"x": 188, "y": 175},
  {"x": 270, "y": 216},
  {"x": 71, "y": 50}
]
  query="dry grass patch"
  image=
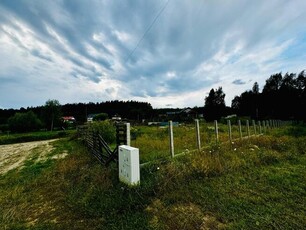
[{"x": 186, "y": 216}]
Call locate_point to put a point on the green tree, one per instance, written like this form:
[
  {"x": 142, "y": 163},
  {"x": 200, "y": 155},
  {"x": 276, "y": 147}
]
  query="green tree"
[
  {"x": 24, "y": 122},
  {"x": 105, "y": 128},
  {"x": 255, "y": 89},
  {"x": 214, "y": 104},
  {"x": 52, "y": 113}
]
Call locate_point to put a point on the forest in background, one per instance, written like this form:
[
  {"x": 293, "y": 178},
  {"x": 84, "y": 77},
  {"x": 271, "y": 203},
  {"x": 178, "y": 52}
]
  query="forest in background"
[{"x": 282, "y": 97}]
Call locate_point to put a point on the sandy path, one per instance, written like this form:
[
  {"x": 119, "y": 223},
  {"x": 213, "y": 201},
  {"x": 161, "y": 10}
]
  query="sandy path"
[{"x": 12, "y": 156}]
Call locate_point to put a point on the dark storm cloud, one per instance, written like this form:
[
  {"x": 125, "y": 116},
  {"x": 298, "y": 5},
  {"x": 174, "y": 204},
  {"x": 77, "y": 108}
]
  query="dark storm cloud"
[{"x": 153, "y": 48}]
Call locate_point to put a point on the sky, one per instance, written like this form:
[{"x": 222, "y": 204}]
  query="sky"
[{"x": 169, "y": 53}]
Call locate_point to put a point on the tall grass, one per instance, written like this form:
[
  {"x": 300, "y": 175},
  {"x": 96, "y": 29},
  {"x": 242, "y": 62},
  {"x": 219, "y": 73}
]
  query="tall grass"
[
  {"x": 11, "y": 138},
  {"x": 254, "y": 184},
  {"x": 153, "y": 142}
]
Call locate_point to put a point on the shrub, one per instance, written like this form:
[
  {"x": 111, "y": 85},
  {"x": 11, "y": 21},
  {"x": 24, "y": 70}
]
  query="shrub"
[
  {"x": 105, "y": 128},
  {"x": 24, "y": 122},
  {"x": 4, "y": 127},
  {"x": 100, "y": 117}
]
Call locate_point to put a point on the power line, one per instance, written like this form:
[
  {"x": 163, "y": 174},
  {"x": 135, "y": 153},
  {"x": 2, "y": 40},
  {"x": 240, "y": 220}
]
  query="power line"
[{"x": 148, "y": 29}]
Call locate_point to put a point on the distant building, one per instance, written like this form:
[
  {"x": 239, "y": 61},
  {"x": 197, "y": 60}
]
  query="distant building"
[
  {"x": 116, "y": 118},
  {"x": 90, "y": 117},
  {"x": 231, "y": 116},
  {"x": 68, "y": 119}
]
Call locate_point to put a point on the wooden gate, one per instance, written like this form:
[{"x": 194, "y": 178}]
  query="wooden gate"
[{"x": 98, "y": 146}]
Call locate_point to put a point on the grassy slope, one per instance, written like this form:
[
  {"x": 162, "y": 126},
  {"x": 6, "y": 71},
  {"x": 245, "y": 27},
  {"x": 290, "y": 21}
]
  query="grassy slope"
[
  {"x": 255, "y": 185},
  {"x": 33, "y": 136}
]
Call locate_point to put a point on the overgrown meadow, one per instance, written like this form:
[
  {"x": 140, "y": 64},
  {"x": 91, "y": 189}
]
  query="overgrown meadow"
[{"x": 255, "y": 183}]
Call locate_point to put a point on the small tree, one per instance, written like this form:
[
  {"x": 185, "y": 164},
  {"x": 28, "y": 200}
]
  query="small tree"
[
  {"x": 106, "y": 129},
  {"x": 52, "y": 113}
]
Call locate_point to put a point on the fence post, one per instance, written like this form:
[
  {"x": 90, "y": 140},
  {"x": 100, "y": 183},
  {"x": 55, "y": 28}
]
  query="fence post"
[
  {"x": 128, "y": 134},
  {"x": 229, "y": 131},
  {"x": 259, "y": 124},
  {"x": 248, "y": 128},
  {"x": 171, "y": 139},
  {"x": 264, "y": 126},
  {"x": 216, "y": 131},
  {"x": 254, "y": 125},
  {"x": 198, "y": 134},
  {"x": 240, "y": 131}
]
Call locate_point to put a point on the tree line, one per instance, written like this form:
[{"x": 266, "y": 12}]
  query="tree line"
[
  {"x": 282, "y": 97},
  {"x": 49, "y": 115}
]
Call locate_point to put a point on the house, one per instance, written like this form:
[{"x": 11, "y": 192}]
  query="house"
[
  {"x": 68, "y": 119},
  {"x": 116, "y": 118}
]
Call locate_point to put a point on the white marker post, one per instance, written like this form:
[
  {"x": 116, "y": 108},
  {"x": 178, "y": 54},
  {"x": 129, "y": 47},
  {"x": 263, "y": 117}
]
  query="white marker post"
[
  {"x": 240, "y": 131},
  {"x": 264, "y": 126},
  {"x": 248, "y": 128},
  {"x": 198, "y": 134},
  {"x": 254, "y": 126},
  {"x": 128, "y": 134},
  {"x": 216, "y": 131},
  {"x": 229, "y": 131}
]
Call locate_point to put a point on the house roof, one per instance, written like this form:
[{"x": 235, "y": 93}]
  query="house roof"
[{"x": 68, "y": 118}]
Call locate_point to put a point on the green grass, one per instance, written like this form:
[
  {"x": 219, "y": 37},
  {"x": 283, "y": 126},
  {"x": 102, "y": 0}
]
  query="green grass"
[
  {"x": 33, "y": 136},
  {"x": 255, "y": 184},
  {"x": 153, "y": 142}
]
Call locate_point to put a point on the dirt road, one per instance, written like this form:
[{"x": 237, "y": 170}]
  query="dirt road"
[{"x": 13, "y": 156}]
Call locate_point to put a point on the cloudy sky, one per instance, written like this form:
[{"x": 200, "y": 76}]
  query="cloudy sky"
[{"x": 168, "y": 53}]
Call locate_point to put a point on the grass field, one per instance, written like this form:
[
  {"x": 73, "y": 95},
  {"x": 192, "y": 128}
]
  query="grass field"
[
  {"x": 153, "y": 142},
  {"x": 9, "y": 138},
  {"x": 255, "y": 184}
]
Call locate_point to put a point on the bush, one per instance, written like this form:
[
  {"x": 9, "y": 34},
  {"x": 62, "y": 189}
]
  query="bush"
[
  {"x": 105, "y": 128},
  {"x": 24, "y": 122},
  {"x": 100, "y": 117},
  {"x": 4, "y": 127}
]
